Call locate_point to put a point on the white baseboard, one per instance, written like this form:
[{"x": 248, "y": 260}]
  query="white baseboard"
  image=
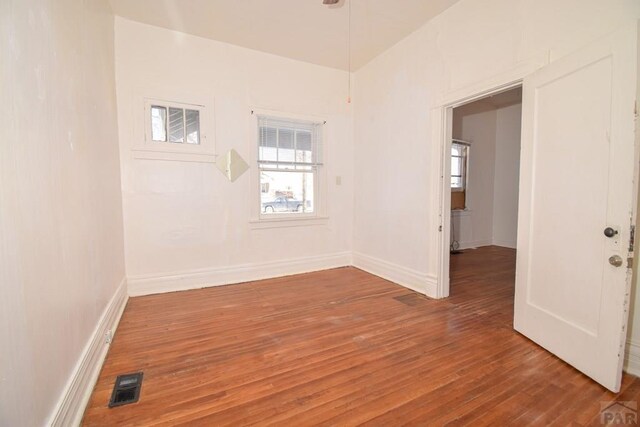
[
  {"x": 72, "y": 403},
  {"x": 412, "y": 279},
  {"x": 480, "y": 243},
  {"x": 475, "y": 244},
  {"x": 632, "y": 358},
  {"x": 194, "y": 279},
  {"x": 220, "y": 276},
  {"x": 504, "y": 243}
]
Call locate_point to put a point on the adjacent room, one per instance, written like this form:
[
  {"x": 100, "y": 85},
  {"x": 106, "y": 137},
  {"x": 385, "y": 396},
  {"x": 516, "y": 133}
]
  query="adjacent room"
[
  {"x": 305, "y": 212},
  {"x": 485, "y": 169}
]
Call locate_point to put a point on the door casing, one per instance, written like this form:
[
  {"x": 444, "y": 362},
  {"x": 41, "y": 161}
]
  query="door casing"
[
  {"x": 443, "y": 122},
  {"x": 442, "y": 128}
]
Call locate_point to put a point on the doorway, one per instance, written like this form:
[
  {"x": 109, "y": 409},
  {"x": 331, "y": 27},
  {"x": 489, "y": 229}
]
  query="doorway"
[
  {"x": 484, "y": 173},
  {"x": 577, "y": 194}
]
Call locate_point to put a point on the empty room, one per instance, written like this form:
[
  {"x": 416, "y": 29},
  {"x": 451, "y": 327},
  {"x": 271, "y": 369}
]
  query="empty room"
[
  {"x": 319, "y": 212},
  {"x": 485, "y": 160}
]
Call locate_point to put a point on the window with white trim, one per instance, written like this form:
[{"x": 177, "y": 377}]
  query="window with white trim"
[
  {"x": 459, "y": 161},
  {"x": 174, "y": 124},
  {"x": 459, "y": 167},
  {"x": 289, "y": 160},
  {"x": 175, "y": 127}
]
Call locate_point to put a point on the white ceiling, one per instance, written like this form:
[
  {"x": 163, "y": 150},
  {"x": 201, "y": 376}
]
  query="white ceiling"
[{"x": 305, "y": 30}]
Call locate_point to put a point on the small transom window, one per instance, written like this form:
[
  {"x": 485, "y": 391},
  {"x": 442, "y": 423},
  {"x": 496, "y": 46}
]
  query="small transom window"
[{"x": 175, "y": 124}]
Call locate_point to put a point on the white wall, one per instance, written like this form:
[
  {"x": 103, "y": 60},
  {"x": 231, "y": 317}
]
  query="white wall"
[
  {"x": 398, "y": 156},
  {"x": 185, "y": 224},
  {"x": 61, "y": 240},
  {"x": 476, "y": 123},
  {"x": 506, "y": 176}
]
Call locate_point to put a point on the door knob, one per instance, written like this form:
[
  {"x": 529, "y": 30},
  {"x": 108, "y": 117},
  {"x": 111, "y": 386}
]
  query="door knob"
[
  {"x": 615, "y": 260},
  {"x": 610, "y": 232}
]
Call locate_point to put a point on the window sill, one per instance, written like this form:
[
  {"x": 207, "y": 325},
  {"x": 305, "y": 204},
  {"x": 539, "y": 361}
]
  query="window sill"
[
  {"x": 461, "y": 212},
  {"x": 258, "y": 224}
]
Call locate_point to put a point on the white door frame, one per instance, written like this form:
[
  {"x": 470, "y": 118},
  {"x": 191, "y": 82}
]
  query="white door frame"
[{"x": 443, "y": 123}]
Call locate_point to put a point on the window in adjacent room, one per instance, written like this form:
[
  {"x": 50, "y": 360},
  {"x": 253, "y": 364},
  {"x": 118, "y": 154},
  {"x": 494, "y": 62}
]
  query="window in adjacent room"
[
  {"x": 459, "y": 165},
  {"x": 289, "y": 160}
]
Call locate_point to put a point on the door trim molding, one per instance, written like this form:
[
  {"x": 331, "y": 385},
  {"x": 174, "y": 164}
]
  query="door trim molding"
[{"x": 442, "y": 132}]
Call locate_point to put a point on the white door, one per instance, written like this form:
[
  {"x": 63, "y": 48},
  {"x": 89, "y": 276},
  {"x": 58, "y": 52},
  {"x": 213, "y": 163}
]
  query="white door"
[{"x": 577, "y": 170}]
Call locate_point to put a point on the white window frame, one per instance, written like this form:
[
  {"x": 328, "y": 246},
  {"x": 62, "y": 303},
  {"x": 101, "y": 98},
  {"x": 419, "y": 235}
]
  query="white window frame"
[
  {"x": 319, "y": 216},
  {"x": 145, "y": 148},
  {"x": 465, "y": 165},
  {"x": 168, "y": 106}
]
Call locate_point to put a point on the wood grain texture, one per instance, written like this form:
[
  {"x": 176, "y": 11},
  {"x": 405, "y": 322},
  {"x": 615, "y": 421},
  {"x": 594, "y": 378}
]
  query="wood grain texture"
[{"x": 344, "y": 347}]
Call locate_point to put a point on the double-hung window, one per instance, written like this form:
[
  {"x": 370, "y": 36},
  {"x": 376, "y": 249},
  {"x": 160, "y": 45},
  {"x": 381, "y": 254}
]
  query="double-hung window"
[
  {"x": 459, "y": 159},
  {"x": 459, "y": 167},
  {"x": 289, "y": 159}
]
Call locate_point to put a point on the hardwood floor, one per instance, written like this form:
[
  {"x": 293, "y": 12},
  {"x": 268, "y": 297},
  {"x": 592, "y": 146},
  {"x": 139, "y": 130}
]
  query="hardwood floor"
[{"x": 343, "y": 347}]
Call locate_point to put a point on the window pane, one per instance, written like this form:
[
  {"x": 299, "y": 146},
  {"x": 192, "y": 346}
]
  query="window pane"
[
  {"x": 268, "y": 153},
  {"x": 268, "y": 137},
  {"x": 456, "y": 166},
  {"x": 158, "y": 123},
  {"x": 268, "y": 143},
  {"x": 193, "y": 126},
  {"x": 303, "y": 147},
  {"x": 287, "y": 192},
  {"x": 286, "y": 152},
  {"x": 176, "y": 124}
]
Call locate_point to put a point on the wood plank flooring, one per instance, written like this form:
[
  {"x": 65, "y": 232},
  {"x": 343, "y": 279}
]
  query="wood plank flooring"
[{"x": 344, "y": 347}]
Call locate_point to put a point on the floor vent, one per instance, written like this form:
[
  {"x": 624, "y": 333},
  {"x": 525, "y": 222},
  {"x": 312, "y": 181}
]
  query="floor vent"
[{"x": 126, "y": 389}]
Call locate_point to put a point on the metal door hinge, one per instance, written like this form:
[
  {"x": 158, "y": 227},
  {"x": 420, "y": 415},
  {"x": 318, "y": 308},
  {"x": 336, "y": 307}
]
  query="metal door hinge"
[{"x": 440, "y": 228}]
